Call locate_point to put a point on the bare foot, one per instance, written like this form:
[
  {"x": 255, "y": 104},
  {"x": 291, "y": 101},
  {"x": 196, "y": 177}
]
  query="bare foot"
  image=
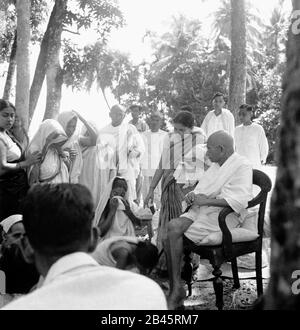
[{"x": 176, "y": 298}]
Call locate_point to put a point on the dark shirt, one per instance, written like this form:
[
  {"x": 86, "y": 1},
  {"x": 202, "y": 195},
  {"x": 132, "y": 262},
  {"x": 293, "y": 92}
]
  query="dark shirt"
[{"x": 20, "y": 276}]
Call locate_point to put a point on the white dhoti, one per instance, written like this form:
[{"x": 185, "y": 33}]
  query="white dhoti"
[
  {"x": 232, "y": 182},
  {"x": 205, "y": 222}
]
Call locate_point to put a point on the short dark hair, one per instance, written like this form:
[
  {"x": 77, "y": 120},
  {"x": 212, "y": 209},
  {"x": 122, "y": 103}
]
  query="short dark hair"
[
  {"x": 146, "y": 254},
  {"x": 135, "y": 106},
  {"x": 58, "y": 218},
  {"x": 6, "y": 104},
  {"x": 185, "y": 118},
  {"x": 120, "y": 182},
  {"x": 246, "y": 107},
  {"x": 218, "y": 94},
  {"x": 186, "y": 108}
]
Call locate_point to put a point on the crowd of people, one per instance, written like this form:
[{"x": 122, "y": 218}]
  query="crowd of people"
[{"x": 71, "y": 201}]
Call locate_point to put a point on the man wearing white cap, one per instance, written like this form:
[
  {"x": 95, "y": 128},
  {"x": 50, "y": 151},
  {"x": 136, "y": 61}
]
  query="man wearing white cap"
[{"x": 20, "y": 276}]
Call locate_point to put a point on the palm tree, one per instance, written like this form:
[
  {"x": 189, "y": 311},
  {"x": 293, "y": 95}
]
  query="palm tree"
[
  {"x": 221, "y": 36},
  {"x": 238, "y": 66},
  {"x": 276, "y": 32}
]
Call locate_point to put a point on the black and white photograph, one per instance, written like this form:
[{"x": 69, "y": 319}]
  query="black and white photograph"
[{"x": 149, "y": 158}]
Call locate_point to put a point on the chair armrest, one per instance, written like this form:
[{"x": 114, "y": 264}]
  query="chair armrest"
[{"x": 227, "y": 237}]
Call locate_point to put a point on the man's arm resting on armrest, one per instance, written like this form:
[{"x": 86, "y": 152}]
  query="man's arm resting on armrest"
[{"x": 203, "y": 201}]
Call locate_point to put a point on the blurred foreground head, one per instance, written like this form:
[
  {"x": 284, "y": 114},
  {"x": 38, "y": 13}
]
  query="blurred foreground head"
[{"x": 58, "y": 219}]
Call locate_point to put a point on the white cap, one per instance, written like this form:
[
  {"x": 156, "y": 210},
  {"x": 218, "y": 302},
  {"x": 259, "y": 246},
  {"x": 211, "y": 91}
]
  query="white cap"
[{"x": 10, "y": 221}]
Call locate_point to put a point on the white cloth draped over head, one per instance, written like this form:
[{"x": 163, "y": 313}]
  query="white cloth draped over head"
[
  {"x": 128, "y": 147},
  {"x": 104, "y": 199},
  {"x": 232, "y": 182},
  {"x": 73, "y": 143},
  {"x": 122, "y": 225},
  {"x": 10, "y": 221},
  {"x": 98, "y": 168},
  {"x": 52, "y": 168}
]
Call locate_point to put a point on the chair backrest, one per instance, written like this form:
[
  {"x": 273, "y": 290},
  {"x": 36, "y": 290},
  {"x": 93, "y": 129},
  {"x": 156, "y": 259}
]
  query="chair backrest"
[{"x": 261, "y": 180}]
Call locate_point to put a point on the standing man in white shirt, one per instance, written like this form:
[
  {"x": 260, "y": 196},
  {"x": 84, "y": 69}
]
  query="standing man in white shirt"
[
  {"x": 219, "y": 119},
  {"x": 58, "y": 224},
  {"x": 154, "y": 141},
  {"x": 250, "y": 138}
]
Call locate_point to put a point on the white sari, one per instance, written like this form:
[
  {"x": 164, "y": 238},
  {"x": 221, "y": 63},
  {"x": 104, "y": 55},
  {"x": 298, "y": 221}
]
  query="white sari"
[
  {"x": 73, "y": 143},
  {"x": 122, "y": 225},
  {"x": 97, "y": 168},
  {"x": 52, "y": 168}
]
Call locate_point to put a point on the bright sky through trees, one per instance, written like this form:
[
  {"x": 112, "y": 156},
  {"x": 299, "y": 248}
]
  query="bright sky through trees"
[{"x": 140, "y": 16}]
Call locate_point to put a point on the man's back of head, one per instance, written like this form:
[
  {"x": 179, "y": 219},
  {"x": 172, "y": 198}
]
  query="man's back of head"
[
  {"x": 58, "y": 219},
  {"x": 220, "y": 146},
  {"x": 222, "y": 138}
]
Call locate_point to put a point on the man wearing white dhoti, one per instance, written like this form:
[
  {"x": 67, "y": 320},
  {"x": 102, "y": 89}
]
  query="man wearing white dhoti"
[
  {"x": 228, "y": 182},
  {"x": 154, "y": 143},
  {"x": 250, "y": 138},
  {"x": 127, "y": 145},
  {"x": 219, "y": 119},
  {"x": 58, "y": 224}
]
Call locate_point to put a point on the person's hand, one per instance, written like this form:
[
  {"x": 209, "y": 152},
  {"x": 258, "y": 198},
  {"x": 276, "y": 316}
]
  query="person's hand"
[
  {"x": 77, "y": 114},
  {"x": 200, "y": 200},
  {"x": 33, "y": 158},
  {"x": 190, "y": 198},
  {"x": 114, "y": 204},
  {"x": 149, "y": 197},
  {"x": 126, "y": 204},
  {"x": 73, "y": 154}
]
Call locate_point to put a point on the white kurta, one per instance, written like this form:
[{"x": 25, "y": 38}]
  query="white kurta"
[
  {"x": 251, "y": 142},
  {"x": 129, "y": 148},
  {"x": 223, "y": 122},
  {"x": 232, "y": 182},
  {"x": 78, "y": 282}
]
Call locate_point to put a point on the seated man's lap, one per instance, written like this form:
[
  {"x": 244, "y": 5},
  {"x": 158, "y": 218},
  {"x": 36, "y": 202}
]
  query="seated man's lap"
[{"x": 206, "y": 222}]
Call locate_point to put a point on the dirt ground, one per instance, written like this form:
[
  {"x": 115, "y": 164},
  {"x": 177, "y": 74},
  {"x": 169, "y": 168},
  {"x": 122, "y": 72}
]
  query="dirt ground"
[{"x": 203, "y": 296}]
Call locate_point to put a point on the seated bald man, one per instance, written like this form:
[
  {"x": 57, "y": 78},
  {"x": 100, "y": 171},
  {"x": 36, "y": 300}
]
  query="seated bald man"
[{"x": 228, "y": 182}]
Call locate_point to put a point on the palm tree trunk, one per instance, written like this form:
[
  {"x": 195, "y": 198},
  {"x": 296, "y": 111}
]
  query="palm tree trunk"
[
  {"x": 11, "y": 71},
  {"x": 285, "y": 208},
  {"x": 23, "y": 71},
  {"x": 238, "y": 66}
]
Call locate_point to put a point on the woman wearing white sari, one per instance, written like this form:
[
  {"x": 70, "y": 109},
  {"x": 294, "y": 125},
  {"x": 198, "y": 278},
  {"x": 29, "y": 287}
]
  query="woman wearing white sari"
[
  {"x": 48, "y": 141},
  {"x": 75, "y": 142},
  {"x": 97, "y": 167}
]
